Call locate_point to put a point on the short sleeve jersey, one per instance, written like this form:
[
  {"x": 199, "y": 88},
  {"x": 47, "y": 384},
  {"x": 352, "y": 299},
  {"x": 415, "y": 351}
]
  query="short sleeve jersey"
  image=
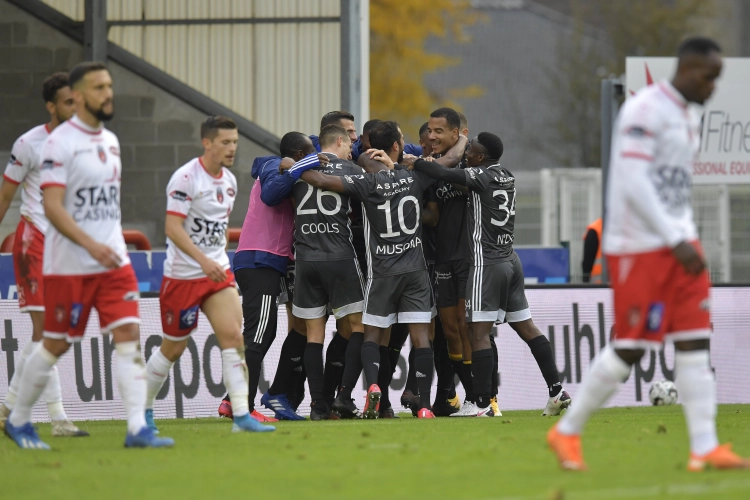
[
  {"x": 24, "y": 168},
  {"x": 392, "y": 204},
  {"x": 655, "y": 141},
  {"x": 205, "y": 202},
  {"x": 86, "y": 162},
  {"x": 322, "y": 229},
  {"x": 491, "y": 214}
]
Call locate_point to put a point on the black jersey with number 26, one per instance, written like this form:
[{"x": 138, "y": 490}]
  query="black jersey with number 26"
[
  {"x": 491, "y": 213},
  {"x": 392, "y": 202},
  {"x": 321, "y": 222}
]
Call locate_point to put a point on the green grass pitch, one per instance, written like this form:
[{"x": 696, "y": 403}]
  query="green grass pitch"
[{"x": 631, "y": 452}]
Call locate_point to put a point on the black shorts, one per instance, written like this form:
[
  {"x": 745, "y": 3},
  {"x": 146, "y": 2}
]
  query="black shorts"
[
  {"x": 450, "y": 282},
  {"x": 319, "y": 283},
  {"x": 402, "y": 298},
  {"x": 495, "y": 292}
]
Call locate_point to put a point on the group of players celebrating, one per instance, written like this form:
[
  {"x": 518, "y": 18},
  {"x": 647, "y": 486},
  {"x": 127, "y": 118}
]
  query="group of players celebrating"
[{"x": 433, "y": 230}]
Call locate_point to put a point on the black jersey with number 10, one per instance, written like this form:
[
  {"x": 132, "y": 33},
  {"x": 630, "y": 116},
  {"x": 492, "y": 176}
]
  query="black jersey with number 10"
[
  {"x": 321, "y": 223},
  {"x": 392, "y": 203},
  {"x": 490, "y": 214}
]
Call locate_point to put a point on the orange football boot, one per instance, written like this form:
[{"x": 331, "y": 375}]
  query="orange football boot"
[
  {"x": 567, "y": 449},
  {"x": 721, "y": 457}
]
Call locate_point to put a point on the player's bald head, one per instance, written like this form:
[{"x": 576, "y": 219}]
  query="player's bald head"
[{"x": 698, "y": 66}]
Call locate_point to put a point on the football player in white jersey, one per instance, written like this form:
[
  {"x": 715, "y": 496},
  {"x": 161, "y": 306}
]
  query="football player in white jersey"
[
  {"x": 86, "y": 263},
  {"x": 658, "y": 273},
  {"x": 28, "y": 246},
  {"x": 197, "y": 277}
]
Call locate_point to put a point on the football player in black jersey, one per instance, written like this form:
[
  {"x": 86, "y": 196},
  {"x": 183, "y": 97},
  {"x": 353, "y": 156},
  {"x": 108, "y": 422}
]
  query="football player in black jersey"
[{"x": 495, "y": 290}]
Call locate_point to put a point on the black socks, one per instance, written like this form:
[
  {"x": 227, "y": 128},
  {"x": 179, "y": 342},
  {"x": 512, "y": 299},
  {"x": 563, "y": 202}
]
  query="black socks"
[
  {"x": 334, "y": 367},
  {"x": 542, "y": 352},
  {"x": 371, "y": 362},
  {"x": 352, "y": 364},
  {"x": 385, "y": 375},
  {"x": 424, "y": 366},
  {"x": 292, "y": 352},
  {"x": 411, "y": 380},
  {"x": 482, "y": 364},
  {"x": 314, "y": 369}
]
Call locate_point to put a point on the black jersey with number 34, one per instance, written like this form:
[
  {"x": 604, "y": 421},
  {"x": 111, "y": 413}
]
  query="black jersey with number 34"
[
  {"x": 321, "y": 222},
  {"x": 491, "y": 213},
  {"x": 392, "y": 203}
]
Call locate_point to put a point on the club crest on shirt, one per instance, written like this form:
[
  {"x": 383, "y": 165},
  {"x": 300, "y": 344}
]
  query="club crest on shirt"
[
  {"x": 102, "y": 153},
  {"x": 230, "y": 192},
  {"x": 219, "y": 195}
]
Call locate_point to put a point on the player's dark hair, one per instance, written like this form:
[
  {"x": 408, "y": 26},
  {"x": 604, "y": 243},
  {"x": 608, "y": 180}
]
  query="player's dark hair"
[
  {"x": 334, "y": 118},
  {"x": 425, "y": 126},
  {"x": 330, "y": 133},
  {"x": 369, "y": 124},
  {"x": 210, "y": 127},
  {"x": 462, "y": 119},
  {"x": 698, "y": 45},
  {"x": 492, "y": 144},
  {"x": 293, "y": 142},
  {"x": 52, "y": 84},
  {"x": 450, "y": 115},
  {"x": 384, "y": 134},
  {"x": 82, "y": 69}
]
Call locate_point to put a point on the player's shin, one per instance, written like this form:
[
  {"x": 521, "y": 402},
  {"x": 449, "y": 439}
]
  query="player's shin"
[
  {"x": 371, "y": 361},
  {"x": 352, "y": 364},
  {"x": 424, "y": 365},
  {"x": 292, "y": 351},
  {"x": 15, "y": 382},
  {"x": 697, "y": 389},
  {"x": 235, "y": 375},
  {"x": 35, "y": 377},
  {"x": 385, "y": 375},
  {"x": 130, "y": 373},
  {"x": 157, "y": 372},
  {"x": 334, "y": 366},
  {"x": 52, "y": 395},
  {"x": 482, "y": 364},
  {"x": 315, "y": 378},
  {"x": 601, "y": 382},
  {"x": 542, "y": 352}
]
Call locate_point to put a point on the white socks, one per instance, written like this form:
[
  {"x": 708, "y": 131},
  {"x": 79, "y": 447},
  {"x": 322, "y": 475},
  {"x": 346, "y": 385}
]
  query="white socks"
[
  {"x": 15, "y": 382},
  {"x": 234, "y": 370},
  {"x": 157, "y": 372},
  {"x": 600, "y": 383},
  {"x": 52, "y": 395},
  {"x": 131, "y": 380},
  {"x": 36, "y": 374},
  {"x": 696, "y": 388}
]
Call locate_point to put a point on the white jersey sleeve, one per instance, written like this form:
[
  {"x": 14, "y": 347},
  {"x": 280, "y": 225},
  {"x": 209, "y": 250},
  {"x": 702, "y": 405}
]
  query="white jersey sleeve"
[
  {"x": 19, "y": 162},
  {"x": 55, "y": 163},
  {"x": 180, "y": 194},
  {"x": 23, "y": 169},
  {"x": 649, "y": 186}
]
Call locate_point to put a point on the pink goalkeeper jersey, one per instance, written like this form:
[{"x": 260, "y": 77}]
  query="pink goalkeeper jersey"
[{"x": 268, "y": 229}]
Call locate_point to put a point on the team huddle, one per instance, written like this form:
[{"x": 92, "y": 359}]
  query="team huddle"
[
  {"x": 394, "y": 240},
  {"x": 380, "y": 234}
]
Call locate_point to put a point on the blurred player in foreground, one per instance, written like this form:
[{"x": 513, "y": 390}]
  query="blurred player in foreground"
[
  {"x": 86, "y": 262},
  {"x": 658, "y": 273},
  {"x": 28, "y": 247}
]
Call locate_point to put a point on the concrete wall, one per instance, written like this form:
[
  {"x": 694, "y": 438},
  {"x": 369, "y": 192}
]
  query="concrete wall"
[{"x": 157, "y": 132}]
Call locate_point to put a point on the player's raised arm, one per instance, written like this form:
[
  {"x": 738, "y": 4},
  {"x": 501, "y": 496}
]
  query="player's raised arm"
[
  {"x": 454, "y": 154},
  {"x": 323, "y": 181}
]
